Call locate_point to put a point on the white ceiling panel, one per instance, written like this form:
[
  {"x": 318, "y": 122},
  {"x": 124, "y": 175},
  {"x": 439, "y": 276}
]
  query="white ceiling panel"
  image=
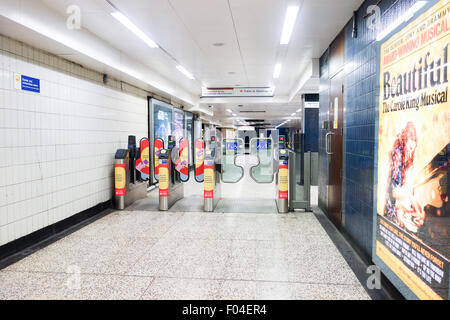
[{"x": 249, "y": 31}]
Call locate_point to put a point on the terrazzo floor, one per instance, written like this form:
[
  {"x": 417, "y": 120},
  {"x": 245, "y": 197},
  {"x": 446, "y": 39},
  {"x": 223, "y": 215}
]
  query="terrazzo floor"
[{"x": 181, "y": 255}]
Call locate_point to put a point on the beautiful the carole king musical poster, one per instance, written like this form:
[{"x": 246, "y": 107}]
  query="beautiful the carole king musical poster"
[{"x": 413, "y": 211}]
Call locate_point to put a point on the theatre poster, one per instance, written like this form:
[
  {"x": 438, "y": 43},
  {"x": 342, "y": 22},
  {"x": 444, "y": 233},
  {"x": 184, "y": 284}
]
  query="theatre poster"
[{"x": 412, "y": 210}]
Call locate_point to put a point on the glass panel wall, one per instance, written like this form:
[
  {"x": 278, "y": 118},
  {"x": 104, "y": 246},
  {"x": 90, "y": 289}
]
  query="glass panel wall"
[
  {"x": 231, "y": 173},
  {"x": 262, "y": 148},
  {"x": 160, "y": 126}
]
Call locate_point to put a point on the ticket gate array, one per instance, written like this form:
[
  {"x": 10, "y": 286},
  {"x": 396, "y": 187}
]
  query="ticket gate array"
[
  {"x": 215, "y": 163},
  {"x": 131, "y": 172},
  {"x": 273, "y": 160},
  {"x": 172, "y": 171}
]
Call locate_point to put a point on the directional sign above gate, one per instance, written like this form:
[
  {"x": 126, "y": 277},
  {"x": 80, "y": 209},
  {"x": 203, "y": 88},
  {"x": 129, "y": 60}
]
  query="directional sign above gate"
[{"x": 238, "y": 92}]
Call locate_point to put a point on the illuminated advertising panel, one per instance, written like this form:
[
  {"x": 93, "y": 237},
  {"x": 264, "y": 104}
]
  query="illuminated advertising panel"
[
  {"x": 412, "y": 220},
  {"x": 178, "y": 125},
  {"x": 162, "y": 120}
]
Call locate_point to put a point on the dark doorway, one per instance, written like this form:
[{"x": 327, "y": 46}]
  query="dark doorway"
[
  {"x": 334, "y": 136},
  {"x": 247, "y": 145},
  {"x": 334, "y": 149}
]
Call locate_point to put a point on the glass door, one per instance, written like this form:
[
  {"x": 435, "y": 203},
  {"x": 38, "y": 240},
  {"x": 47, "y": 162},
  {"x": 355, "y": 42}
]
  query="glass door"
[
  {"x": 231, "y": 173},
  {"x": 262, "y": 148}
]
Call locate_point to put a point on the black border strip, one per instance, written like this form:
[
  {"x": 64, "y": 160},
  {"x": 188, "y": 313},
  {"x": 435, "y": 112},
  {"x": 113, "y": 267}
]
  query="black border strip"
[
  {"x": 18, "y": 249},
  {"x": 356, "y": 258}
]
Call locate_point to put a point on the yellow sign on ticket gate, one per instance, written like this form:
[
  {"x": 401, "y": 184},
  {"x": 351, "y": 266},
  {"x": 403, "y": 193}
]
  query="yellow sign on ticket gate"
[
  {"x": 209, "y": 178},
  {"x": 163, "y": 174},
  {"x": 283, "y": 180},
  {"x": 163, "y": 181},
  {"x": 145, "y": 156},
  {"x": 209, "y": 182},
  {"x": 119, "y": 179}
]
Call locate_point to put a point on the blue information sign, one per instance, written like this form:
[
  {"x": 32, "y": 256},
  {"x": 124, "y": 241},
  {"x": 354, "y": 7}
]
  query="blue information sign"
[
  {"x": 232, "y": 146},
  {"x": 30, "y": 84},
  {"x": 260, "y": 145}
]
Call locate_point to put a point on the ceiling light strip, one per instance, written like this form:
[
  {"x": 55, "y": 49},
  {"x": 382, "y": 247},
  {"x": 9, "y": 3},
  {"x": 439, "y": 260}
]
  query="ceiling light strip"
[
  {"x": 185, "y": 72},
  {"x": 289, "y": 23},
  {"x": 119, "y": 16}
]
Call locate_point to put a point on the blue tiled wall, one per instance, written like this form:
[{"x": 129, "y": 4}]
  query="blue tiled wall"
[
  {"x": 360, "y": 103},
  {"x": 311, "y": 130}
]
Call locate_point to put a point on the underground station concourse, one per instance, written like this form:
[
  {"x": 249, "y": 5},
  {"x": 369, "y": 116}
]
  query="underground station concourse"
[{"x": 226, "y": 150}]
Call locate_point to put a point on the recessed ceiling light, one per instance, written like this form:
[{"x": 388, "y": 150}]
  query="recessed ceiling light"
[
  {"x": 218, "y": 44},
  {"x": 119, "y": 16},
  {"x": 230, "y": 111},
  {"x": 231, "y": 72},
  {"x": 289, "y": 22}
]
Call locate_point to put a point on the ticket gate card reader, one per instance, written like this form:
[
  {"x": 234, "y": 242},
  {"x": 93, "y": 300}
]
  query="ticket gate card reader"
[
  {"x": 171, "y": 143},
  {"x": 212, "y": 147},
  {"x": 283, "y": 181},
  {"x": 282, "y": 143}
]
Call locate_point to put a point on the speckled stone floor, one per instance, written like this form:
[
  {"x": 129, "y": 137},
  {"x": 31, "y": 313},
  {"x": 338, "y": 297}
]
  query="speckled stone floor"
[{"x": 176, "y": 255}]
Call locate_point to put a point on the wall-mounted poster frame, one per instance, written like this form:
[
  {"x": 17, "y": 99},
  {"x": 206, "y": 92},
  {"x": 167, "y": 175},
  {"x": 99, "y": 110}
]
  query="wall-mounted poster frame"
[
  {"x": 174, "y": 122},
  {"x": 411, "y": 242},
  {"x": 166, "y": 109}
]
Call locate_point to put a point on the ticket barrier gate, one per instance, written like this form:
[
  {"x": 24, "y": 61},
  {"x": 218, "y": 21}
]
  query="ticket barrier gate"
[
  {"x": 209, "y": 170},
  {"x": 171, "y": 188},
  {"x": 172, "y": 172},
  {"x": 212, "y": 182},
  {"x": 128, "y": 185},
  {"x": 272, "y": 161},
  {"x": 287, "y": 197},
  {"x": 212, "y": 167},
  {"x": 121, "y": 177}
]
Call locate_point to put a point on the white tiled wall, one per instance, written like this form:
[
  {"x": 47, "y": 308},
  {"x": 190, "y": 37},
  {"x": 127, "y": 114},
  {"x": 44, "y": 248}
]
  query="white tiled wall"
[{"x": 57, "y": 147}]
